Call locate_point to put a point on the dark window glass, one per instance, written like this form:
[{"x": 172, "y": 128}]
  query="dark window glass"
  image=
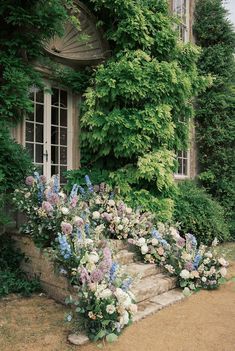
[
  {"x": 30, "y": 116},
  {"x": 54, "y": 170},
  {"x": 63, "y": 136},
  {"x": 63, "y": 155},
  {"x": 55, "y": 97},
  {"x": 39, "y": 113},
  {"x": 40, "y": 96},
  {"x": 39, "y": 153},
  {"x": 63, "y": 98},
  {"x": 30, "y": 149},
  {"x": 54, "y": 135},
  {"x": 39, "y": 133},
  {"x": 54, "y": 154},
  {"x": 29, "y": 132},
  {"x": 62, "y": 176},
  {"x": 63, "y": 118},
  {"x": 54, "y": 115}
]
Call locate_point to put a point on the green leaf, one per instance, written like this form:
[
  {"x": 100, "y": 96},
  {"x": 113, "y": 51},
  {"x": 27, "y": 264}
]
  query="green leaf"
[{"x": 111, "y": 337}]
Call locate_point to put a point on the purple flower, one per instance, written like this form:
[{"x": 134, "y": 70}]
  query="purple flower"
[
  {"x": 84, "y": 276},
  {"x": 181, "y": 242},
  {"x": 97, "y": 275},
  {"x": 29, "y": 181},
  {"x": 67, "y": 228},
  {"x": 189, "y": 266},
  {"x": 43, "y": 179},
  {"x": 53, "y": 198}
]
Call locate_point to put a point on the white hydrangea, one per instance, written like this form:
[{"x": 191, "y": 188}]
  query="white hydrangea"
[
  {"x": 96, "y": 215},
  {"x": 110, "y": 309},
  {"x": 144, "y": 249},
  {"x": 185, "y": 274}
]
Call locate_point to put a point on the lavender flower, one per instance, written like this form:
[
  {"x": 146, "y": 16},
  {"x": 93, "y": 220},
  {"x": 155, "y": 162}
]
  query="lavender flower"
[
  {"x": 189, "y": 266},
  {"x": 84, "y": 276},
  {"x": 97, "y": 275}
]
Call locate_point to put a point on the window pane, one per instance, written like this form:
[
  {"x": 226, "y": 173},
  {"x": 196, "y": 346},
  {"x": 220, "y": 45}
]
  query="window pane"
[
  {"x": 63, "y": 98},
  {"x": 39, "y": 133},
  {"x": 29, "y": 132},
  {"x": 39, "y": 153},
  {"x": 185, "y": 168},
  {"x": 40, "y": 169},
  {"x": 30, "y": 148},
  {"x": 63, "y": 118},
  {"x": 30, "y": 116},
  {"x": 54, "y": 115},
  {"x": 62, "y": 177},
  {"x": 39, "y": 113},
  {"x": 54, "y": 170},
  {"x": 54, "y": 154},
  {"x": 54, "y": 135},
  {"x": 40, "y": 96},
  {"x": 63, "y": 155},
  {"x": 63, "y": 136},
  {"x": 55, "y": 97}
]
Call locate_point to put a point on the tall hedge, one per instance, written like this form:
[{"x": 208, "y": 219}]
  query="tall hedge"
[{"x": 215, "y": 113}]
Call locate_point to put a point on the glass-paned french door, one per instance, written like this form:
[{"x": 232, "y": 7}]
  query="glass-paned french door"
[{"x": 48, "y": 132}]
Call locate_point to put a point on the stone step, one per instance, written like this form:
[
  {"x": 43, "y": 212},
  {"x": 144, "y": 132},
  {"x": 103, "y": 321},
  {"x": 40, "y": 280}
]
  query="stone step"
[
  {"x": 142, "y": 270},
  {"x": 152, "y": 286},
  {"x": 117, "y": 245},
  {"x": 124, "y": 257}
]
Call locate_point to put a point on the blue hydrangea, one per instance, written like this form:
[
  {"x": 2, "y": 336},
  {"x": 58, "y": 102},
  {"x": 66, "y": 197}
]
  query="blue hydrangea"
[{"x": 65, "y": 248}]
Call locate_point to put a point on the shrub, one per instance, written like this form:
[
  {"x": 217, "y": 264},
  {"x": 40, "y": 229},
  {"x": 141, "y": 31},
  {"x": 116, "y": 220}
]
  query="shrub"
[
  {"x": 199, "y": 214},
  {"x": 12, "y": 279}
]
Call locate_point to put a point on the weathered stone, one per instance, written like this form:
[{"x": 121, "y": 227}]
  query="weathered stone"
[
  {"x": 142, "y": 269},
  {"x": 124, "y": 257},
  {"x": 146, "y": 308},
  {"x": 168, "y": 298},
  {"x": 152, "y": 286},
  {"x": 78, "y": 339}
]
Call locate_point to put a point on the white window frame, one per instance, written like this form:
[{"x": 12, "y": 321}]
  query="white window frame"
[
  {"x": 47, "y": 128},
  {"x": 185, "y": 23},
  {"x": 181, "y": 176}
]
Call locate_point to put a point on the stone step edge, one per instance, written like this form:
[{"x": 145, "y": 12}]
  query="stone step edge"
[{"x": 150, "y": 307}]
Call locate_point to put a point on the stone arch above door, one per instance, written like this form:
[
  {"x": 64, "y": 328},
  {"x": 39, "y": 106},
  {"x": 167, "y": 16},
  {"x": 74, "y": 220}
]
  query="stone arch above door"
[{"x": 79, "y": 47}]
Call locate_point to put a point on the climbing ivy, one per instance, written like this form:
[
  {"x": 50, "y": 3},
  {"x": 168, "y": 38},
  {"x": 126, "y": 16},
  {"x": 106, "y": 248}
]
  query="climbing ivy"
[
  {"x": 215, "y": 107},
  {"x": 136, "y": 111}
]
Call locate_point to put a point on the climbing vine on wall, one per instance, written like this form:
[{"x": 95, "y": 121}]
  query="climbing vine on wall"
[{"x": 215, "y": 107}]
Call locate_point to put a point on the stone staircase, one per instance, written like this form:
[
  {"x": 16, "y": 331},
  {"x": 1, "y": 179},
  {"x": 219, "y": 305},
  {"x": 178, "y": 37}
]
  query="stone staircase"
[{"x": 153, "y": 289}]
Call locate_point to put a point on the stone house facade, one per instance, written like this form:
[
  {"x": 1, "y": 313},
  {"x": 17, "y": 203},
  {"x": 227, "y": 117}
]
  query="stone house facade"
[{"x": 51, "y": 132}]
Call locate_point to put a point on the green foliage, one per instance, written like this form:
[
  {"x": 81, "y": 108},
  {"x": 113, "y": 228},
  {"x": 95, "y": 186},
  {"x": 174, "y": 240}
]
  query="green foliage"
[
  {"x": 15, "y": 164},
  {"x": 12, "y": 279},
  {"x": 136, "y": 113},
  {"x": 215, "y": 107},
  {"x": 199, "y": 214}
]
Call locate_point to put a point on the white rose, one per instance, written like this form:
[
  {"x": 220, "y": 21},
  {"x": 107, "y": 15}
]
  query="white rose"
[
  {"x": 223, "y": 271},
  {"x": 65, "y": 210},
  {"x": 208, "y": 254},
  {"x": 174, "y": 232},
  {"x": 117, "y": 220},
  {"x": 154, "y": 241},
  {"x": 204, "y": 279},
  {"x": 93, "y": 257},
  {"x": 120, "y": 227},
  {"x": 185, "y": 274},
  {"x": 78, "y": 221},
  {"x": 110, "y": 309},
  {"x": 61, "y": 194},
  {"x": 223, "y": 262},
  {"x": 106, "y": 293},
  {"x": 111, "y": 203},
  {"x": 144, "y": 249},
  {"x": 125, "y": 220},
  {"x": 128, "y": 210},
  {"x": 95, "y": 215},
  {"x": 141, "y": 241},
  {"x": 186, "y": 291},
  {"x": 124, "y": 319}
]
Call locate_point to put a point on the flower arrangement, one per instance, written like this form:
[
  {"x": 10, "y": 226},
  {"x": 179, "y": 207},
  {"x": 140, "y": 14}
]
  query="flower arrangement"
[{"x": 195, "y": 267}]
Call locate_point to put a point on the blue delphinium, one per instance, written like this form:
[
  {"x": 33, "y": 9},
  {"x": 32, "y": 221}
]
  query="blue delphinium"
[
  {"x": 36, "y": 176},
  {"x": 65, "y": 248},
  {"x": 196, "y": 261},
  {"x": 156, "y": 234},
  {"x": 56, "y": 184},
  {"x": 126, "y": 284},
  {"x": 74, "y": 191},
  {"x": 81, "y": 190},
  {"x": 113, "y": 272},
  {"x": 87, "y": 229},
  {"x": 89, "y": 184},
  {"x": 79, "y": 234},
  {"x": 40, "y": 193}
]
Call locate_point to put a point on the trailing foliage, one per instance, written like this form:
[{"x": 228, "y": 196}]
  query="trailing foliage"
[
  {"x": 12, "y": 279},
  {"x": 136, "y": 113},
  {"x": 216, "y": 107},
  {"x": 199, "y": 214}
]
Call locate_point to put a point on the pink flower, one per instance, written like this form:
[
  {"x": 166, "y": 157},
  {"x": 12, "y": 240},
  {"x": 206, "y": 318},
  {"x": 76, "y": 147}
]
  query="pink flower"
[
  {"x": 43, "y": 179},
  {"x": 74, "y": 201},
  {"x": 29, "y": 181},
  {"x": 160, "y": 251},
  {"x": 97, "y": 275},
  {"x": 84, "y": 276},
  {"x": 66, "y": 228},
  {"x": 46, "y": 206},
  {"x": 181, "y": 242},
  {"x": 53, "y": 198}
]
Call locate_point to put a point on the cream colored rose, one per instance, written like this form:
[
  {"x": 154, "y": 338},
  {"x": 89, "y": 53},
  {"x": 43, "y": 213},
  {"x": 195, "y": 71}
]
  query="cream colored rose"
[
  {"x": 65, "y": 210},
  {"x": 223, "y": 262},
  {"x": 95, "y": 215},
  {"x": 124, "y": 319},
  {"x": 128, "y": 210},
  {"x": 93, "y": 257},
  {"x": 110, "y": 309},
  {"x": 223, "y": 271},
  {"x": 106, "y": 293},
  {"x": 141, "y": 241},
  {"x": 111, "y": 203},
  {"x": 154, "y": 241},
  {"x": 144, "y": 249}
]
